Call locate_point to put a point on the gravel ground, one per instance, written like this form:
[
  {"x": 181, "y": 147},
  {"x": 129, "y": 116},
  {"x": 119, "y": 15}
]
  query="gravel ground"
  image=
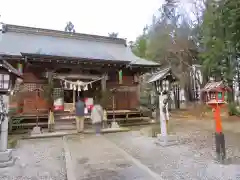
[
  {"x": 37, "y": 159},
  {"x": 95, "y": 158},
  {"x": 192, "y": 159}
]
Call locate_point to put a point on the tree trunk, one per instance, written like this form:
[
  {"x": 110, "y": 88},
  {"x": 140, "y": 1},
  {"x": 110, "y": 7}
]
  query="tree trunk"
[{"x": 230, "y": 93}]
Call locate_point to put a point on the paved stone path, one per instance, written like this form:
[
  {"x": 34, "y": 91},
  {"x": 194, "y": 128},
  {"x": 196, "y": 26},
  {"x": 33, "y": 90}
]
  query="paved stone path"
[
  {"x": 127, "y": 156},
  {"x": 191, "y": 160},
  {"x": 95, "y": 158},
  {"x": 37, "y": 159}
]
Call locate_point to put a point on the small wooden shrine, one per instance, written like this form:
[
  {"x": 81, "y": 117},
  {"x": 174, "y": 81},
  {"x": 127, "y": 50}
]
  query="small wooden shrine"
[
  {"x": 165, "y": 81},
  {"x": 214, "y": 91}
]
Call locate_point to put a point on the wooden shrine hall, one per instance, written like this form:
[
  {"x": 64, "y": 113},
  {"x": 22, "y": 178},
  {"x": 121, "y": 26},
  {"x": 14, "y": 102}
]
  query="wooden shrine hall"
[{"x": 72, "y": 64}]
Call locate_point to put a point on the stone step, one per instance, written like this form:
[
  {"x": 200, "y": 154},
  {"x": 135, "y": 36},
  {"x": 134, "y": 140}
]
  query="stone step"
[
  {"x": 64, "y": 126},
  {"x": 6, "y": 158},
  {"x": 136, "y": 124},
  {"x": 8, "y": 163},
  {"x": 6, "y": 155}
]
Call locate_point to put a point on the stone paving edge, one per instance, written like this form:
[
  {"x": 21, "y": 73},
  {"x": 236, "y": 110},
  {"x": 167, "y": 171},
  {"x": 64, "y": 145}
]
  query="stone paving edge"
[
  {"x": 68, "y": 161},
  {"x": 136, "y": 161}
]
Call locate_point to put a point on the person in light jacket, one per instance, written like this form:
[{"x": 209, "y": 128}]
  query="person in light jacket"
[{"x": 97, "y": 117}]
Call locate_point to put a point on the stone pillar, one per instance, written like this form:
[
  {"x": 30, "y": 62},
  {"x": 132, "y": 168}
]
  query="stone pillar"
[
  {"x": 4, "y": 126},
  {"x": 162, "y": 117},
  {"x": 164, "y": 139},
  {"x": 6, "y": 158},
  {"x": 4, "y": 135}
]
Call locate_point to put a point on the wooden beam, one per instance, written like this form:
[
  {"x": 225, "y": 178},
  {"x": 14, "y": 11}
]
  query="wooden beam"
[
  {"x": 96, "y": 66},
  {"x": 78, "y": 76}
]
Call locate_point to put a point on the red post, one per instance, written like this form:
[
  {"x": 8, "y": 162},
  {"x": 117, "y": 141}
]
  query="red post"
[
  {"x": 219, "y": 136},
  {"x": 217, "y": 118}
]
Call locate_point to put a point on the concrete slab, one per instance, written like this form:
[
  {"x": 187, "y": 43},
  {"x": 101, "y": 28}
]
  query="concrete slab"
[
  {"x": 94, "y": 157},
  {"x": 68, "y": 160}
]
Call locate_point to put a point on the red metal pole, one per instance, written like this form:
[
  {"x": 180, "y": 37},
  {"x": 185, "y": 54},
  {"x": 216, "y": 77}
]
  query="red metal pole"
[
  {"x": 217, "y": 117},
  {"x": 219, "y": 136}
]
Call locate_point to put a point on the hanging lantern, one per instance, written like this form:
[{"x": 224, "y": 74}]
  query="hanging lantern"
[
  {"x": 65, "y": 84},
  {"x": 85, "y": 88},
  {"x": 20, "y": 67},
  {"x": 71, "y": 86},
  {"x": 120, "y": 76},
  {"x": 79, "y": 88}
]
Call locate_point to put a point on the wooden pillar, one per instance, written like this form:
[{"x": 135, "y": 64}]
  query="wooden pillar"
[
  {"x": 74, "y": 98},
  {"x": 138, "y": 92},
  {"x": 51, "y": 89},
  {"x": 136, "y": 79},
  {"x": 104, "y": 82}
]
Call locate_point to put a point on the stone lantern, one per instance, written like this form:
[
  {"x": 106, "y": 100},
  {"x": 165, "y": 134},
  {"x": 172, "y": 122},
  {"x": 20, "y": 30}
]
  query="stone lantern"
[
  {"x": 163, "y": 81},
  {"x": 8, "y": 76}
]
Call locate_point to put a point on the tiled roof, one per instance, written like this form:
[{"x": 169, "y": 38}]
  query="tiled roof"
[
  {"x": 20, "y": 39},
  {"x": 159, "y": 75},
  {"x": 212, "y": 86}
]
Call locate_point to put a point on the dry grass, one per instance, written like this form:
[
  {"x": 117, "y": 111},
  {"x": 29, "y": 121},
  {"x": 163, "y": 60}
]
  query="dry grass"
[{"x": 203, "y": 112}]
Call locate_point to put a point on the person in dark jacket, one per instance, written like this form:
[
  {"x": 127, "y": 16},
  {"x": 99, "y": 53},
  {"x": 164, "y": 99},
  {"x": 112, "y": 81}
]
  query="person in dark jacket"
[{"x": 80, "y": 115}]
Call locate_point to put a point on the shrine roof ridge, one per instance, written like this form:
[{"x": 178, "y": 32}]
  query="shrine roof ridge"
[{"x": 61, "y": 34}]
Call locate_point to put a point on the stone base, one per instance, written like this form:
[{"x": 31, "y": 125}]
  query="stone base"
[
  {"x": 114, "y": 125},
  {"x": 6, "y": 158},
  {"x": 36, "y": 130},
  {"x": 168, "y": 140}
]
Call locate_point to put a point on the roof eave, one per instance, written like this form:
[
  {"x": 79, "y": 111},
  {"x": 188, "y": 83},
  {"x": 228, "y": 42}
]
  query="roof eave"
[
  {"x": 10, "y": 68},
  {"x": 167, "y": 70},
  {"x": 54, "y": 57}
]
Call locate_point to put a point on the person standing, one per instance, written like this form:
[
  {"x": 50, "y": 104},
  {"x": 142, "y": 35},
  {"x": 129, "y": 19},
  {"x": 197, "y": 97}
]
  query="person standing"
[
  {"x": 80, "y": 115},
  {"x": 97, "y": 117}
]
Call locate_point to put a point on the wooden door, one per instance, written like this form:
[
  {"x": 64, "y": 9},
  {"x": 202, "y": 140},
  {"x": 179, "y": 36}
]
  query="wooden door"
[
  {"x": 133, "y": 100},
  {"x": 122, "y": 101}
]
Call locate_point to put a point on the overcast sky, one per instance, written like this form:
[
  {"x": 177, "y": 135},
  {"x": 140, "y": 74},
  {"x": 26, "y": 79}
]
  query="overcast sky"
[{"x": 127, "y": 17}]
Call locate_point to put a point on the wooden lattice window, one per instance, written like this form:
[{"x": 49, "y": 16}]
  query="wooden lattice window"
[
  {"x": 30, "y": 86},
  {"x": 57, "y": 92},
  {"x": 4, "y": 81}
]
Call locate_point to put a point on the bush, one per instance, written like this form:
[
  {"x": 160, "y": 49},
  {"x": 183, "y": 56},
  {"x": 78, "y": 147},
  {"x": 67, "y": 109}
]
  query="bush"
[
  {"x": 14, "y": 120},
  {"x": 233, "y": 110}
]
